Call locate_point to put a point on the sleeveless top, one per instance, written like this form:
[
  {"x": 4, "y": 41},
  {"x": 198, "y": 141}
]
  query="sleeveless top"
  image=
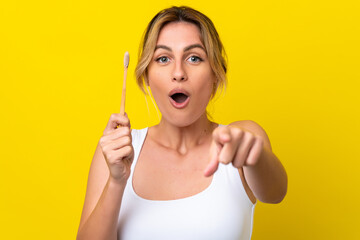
[{"x": 222, "y": 211}]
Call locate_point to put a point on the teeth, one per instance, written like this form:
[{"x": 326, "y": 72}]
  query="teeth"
[{"x": 179, "y": 97}]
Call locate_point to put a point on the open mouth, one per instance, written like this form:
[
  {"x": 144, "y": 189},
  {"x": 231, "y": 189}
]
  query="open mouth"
[{"x": 179, "y": 97}]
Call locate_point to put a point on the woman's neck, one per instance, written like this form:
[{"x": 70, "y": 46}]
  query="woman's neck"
[{"x": 183, "y": 139}]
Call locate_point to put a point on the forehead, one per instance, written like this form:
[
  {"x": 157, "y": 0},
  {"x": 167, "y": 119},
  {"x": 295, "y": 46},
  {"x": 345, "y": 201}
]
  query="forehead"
[{"x": 179, "y": 33}]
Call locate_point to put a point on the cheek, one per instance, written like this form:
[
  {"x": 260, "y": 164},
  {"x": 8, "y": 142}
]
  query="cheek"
[
  {"x": 156, "y": 83},
  {"x": 157, "y": 75},
  {"x": 207, "y": 83}
]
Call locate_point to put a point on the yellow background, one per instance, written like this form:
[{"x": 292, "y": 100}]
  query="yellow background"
[{"x": 293, "y": 68}]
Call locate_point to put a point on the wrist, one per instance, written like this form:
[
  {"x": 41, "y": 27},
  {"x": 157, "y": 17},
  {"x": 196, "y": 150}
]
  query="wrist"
[{"x": 116, "y": 183}]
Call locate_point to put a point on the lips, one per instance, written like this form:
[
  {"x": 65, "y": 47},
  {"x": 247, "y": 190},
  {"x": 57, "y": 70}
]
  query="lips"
[{"x": 179, "y": 98}]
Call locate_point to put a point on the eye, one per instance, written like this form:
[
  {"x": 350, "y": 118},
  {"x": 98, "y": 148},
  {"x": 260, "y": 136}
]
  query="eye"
[
  {"x": 162, "y": 59},
  {"x": 194, "y": 59}
]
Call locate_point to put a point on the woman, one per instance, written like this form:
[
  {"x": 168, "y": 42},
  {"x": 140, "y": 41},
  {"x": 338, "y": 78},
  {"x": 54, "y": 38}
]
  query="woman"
[{"x": 174, "y": 180}]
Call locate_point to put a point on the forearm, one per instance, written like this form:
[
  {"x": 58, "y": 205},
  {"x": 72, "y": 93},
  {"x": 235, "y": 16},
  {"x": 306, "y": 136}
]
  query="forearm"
[
  {"x": 102, "y": 222},
  {"x": 267, "y": 179}
]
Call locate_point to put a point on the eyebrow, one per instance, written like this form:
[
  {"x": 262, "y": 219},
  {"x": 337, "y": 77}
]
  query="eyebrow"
[
  {"x": 193, "y": 46},
  {"x": 185, "y": 49}
]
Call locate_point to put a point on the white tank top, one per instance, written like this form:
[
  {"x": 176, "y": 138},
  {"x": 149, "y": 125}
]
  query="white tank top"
[{"x": 222, "y": 211}]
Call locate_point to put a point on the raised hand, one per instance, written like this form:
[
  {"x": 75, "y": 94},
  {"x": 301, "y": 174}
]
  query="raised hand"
[{"x": 116, "y": 145}]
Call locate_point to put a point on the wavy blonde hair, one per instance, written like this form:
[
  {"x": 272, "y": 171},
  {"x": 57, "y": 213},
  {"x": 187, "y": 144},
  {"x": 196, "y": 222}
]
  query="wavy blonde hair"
[{"x": 208, "y": 36}]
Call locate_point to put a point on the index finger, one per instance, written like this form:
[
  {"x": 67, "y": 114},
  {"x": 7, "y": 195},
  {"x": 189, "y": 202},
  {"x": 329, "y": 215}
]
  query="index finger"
[
  {"x": 214, "y": 159},
  {"x": 211, "y": 167}
]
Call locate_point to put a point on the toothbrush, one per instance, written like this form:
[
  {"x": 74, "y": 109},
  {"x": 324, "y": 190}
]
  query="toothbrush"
[{"x": 126, "y": 65}]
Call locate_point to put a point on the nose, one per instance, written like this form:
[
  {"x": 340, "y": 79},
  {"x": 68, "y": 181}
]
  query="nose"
[{"x": 179, "y": 73}]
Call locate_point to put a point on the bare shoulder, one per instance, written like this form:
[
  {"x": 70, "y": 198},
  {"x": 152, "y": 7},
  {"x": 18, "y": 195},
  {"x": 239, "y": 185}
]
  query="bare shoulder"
[{"x": 254, "y": 128}]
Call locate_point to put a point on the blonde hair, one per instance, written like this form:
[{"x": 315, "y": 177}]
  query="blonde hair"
[{"x": 208, "y": 36}]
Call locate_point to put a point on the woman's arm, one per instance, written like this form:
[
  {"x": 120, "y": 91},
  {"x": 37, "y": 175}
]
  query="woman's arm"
[
  {"x": 267, "y": 179},
  {"x": 109, "y": 171},
  {"x": 102, "y": 202},
  {"x": 246, "y": 145}
]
